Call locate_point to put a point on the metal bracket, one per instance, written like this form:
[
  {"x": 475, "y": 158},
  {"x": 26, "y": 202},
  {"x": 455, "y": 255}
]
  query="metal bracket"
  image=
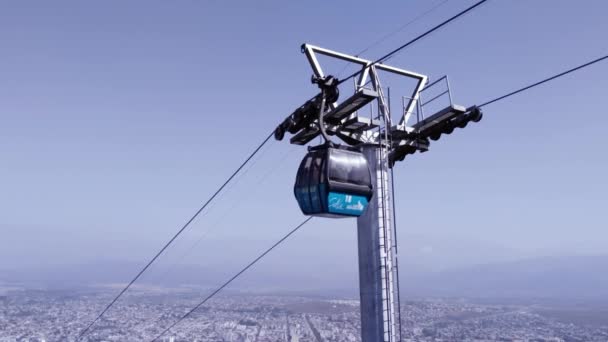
[
  {"x": 342, "y": 119},
  {"x": 311, "y": 52},
  {"x": 350, "y": 125}
]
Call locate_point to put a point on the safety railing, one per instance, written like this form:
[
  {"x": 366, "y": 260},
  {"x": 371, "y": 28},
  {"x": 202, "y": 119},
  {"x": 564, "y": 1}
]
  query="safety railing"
[{"x": 417, "y": 111}]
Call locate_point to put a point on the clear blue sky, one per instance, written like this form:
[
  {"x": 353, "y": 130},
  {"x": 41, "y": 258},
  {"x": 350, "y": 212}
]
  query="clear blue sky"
[{"x": 119, "y": 119}]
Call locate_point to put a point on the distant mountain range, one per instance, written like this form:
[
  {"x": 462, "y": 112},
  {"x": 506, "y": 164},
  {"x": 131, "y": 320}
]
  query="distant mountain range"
[{"x": 584, "y": 277}]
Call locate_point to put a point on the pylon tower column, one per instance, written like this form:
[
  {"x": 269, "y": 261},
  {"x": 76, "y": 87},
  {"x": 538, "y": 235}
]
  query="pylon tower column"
[{"x": 376, "y": 271}]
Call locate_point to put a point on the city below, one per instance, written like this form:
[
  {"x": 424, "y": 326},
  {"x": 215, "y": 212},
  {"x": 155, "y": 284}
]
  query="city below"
[{"x": 52, "y": 315}]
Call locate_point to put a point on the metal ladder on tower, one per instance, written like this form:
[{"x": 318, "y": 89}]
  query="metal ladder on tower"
[{"x": 388, "y": 265}]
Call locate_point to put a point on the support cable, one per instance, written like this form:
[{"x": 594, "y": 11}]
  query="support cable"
[
  {"x": 543, "y": 81},
  {"x": 233, "y": 278},
  {"x": 225, "y": 214},
  {"x": 402, "y": 27},
  {"x": 395, "y": 51},
  {"x": 394, "y": 32},
  {"x": 217, "y": 192}
]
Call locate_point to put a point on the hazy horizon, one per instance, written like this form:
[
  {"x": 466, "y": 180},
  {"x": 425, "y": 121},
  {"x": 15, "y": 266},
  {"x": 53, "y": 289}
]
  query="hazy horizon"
[{"x": 119, "y": 122}]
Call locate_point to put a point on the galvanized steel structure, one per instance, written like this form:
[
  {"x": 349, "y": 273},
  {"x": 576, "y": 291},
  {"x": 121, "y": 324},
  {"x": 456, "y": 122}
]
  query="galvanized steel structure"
[{"x": 383, "y": 141}]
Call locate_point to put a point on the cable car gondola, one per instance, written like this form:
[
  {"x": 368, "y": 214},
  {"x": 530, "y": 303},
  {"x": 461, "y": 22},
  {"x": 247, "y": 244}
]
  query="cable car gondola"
[{"x": 333, "y": 181}]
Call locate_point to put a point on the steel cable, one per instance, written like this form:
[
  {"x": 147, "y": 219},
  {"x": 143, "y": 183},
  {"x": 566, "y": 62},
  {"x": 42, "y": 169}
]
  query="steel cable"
[
  {"x": 543, "y": 81},
  {"x": 216, "y": 291},
  {"x": 395, "y": 51},
  {"x": 217, "y": 192}
]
